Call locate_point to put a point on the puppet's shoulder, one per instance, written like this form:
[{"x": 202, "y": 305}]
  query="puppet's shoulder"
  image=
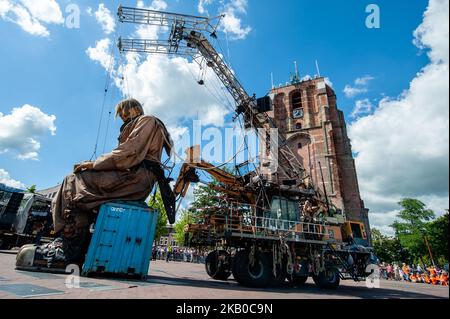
[{"x": 150, "y": 119}]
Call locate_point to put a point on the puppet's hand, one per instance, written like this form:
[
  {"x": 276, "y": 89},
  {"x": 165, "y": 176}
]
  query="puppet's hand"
[{"x": 83, "y": 167}]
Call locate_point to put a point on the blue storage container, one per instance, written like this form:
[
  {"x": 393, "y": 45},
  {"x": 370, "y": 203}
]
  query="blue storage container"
[{"x": 122, "y": 241}]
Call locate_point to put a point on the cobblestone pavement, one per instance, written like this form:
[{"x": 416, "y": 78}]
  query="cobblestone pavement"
[{"x": 176, "y": 280}]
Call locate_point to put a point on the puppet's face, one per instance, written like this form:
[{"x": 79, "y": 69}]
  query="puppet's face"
[{"x": 133, "y": 113}]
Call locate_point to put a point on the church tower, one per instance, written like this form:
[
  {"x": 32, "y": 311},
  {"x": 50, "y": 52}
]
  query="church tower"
[{"x": 306, "y": 113}]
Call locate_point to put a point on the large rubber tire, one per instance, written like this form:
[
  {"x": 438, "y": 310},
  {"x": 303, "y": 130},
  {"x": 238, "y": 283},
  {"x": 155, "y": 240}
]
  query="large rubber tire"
[
  {"x": 253, "y": 276},
  {"x": 213, "y": 269},
  {"x": 236, "y": 261},
  {"x": 328, "y": 279}
]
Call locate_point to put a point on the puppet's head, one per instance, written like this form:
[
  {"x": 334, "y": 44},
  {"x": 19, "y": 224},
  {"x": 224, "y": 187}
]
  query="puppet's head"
[{"x": 129, "y": 109}]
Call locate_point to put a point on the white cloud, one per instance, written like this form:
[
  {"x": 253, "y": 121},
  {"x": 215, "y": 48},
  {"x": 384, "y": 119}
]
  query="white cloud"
[
  {"x": 363, "y": 81},
  {"x": 232, "y": 23},
  {"x": 21, "y": 130},
  {"x": 31, "y": 15},
  {"x": 360, "y": 86},
  {"x": 403, "y": 147},
  {"x": 8, "y": 181},
  {"x": 362, "y": 107},
  {"x": 306, "y": 78},
  {"x": 158, "y": 5},
  {"x": 202, "y": 4},
  {"x": 351, "y": 91},
  {"x": 168, "y": 89},
  {"x": 189, "y": 199},
  {"x": 101, "y": 53},
  {"x": 5, "y": 7},
  {"x": 150, "y": 31},
  {"x": 177, "y": 132},
  {"x": 105, "y": 19},
  {"x": 167, "y": 86},
  {"x": 383, "y": 220},
  {"x": 430, "y": 35},
  {"x": 47, "y": 11}
]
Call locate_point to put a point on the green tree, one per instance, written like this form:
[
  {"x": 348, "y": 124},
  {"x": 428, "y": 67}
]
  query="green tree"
[
  {"x": 206, "y": 196},
  {"x": 387, "y": 249},
  {"x": 438, "y": 238},
  {"x": 411, "y": 228},
  {"x": 156, "y": 202},
  {"x": 185, "y": 219},
  {"x": 32, "y": 189}
]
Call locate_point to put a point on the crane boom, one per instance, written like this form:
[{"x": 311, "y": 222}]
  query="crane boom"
[{"x": 187, "y": 38}]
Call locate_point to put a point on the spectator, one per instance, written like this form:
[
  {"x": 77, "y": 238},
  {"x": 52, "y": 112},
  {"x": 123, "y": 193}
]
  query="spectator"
[
  {"x": 406, "y": 271},
  {"x": 390, "y": 272},
  {"x": 413, "y": 278},
  {"x": 444, "y": 278},
  {"x": 397, "y": 275},
  {"x": 426, "y": 278},
  {"x": 419, "y": 269}
]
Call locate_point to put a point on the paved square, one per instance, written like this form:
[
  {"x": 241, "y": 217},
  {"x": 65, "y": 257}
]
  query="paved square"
[
  {"x": 176, "y": 280},
  {"x": 27, "y": 290}
]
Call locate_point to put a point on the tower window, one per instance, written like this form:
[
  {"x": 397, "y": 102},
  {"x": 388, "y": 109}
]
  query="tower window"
[
  {"x": 298, "y": 126},
  {"x": 297, "y": 100},
  {"x": 300, "y": 145}
]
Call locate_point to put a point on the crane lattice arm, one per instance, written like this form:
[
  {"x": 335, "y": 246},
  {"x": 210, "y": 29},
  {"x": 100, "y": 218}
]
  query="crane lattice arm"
[{"x": 187, "y": 38}]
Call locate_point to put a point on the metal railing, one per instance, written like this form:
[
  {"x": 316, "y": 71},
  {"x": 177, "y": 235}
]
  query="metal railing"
[
  {"x": 242, "y": 218},
  {"x": 271, "y": 224}
]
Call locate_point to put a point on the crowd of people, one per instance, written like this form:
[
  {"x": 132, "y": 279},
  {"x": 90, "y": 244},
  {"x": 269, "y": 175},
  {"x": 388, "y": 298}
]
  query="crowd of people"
[
  {"x": 433, "y": 275},
  {"x": 179, "y": 254}
]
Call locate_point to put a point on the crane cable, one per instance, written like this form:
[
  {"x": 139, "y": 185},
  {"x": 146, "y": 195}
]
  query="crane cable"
[
  {"x": 105, "y": 93},
  {"x": 119, "y": 31},
  {"x": 216, "y": 94},
  {"x": 242, "y": 148}
]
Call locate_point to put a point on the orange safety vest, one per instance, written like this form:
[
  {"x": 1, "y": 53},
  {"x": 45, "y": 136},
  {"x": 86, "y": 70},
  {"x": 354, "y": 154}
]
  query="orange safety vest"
[
  {"x": 444, "y": 280},
  {"x": 405, "y": 270},
  {"x": 427, "y": 279},
  {"x": 434, "y": 280},
  {"x": 413, "y": 278}
]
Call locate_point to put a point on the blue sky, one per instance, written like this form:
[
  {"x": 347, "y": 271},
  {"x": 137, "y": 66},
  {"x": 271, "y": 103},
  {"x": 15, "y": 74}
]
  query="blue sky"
[{"x": 55, "y": 74}]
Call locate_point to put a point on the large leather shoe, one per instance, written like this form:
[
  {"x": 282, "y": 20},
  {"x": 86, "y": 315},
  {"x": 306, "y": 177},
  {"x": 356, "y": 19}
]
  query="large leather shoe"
[{"x": 47, "y": 257}]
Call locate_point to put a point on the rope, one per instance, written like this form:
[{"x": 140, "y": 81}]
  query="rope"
[
  {"x": 118, "y": 31},
  {"x": 105, "y": 92},
  {"x": 109, "y": 120}
]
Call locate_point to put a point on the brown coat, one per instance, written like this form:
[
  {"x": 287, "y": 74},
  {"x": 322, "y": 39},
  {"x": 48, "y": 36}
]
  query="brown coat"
[{"x": 115, "y": 176}]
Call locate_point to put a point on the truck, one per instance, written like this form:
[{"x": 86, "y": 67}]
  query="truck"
[
  {"x": 25, "y": 218},
  {"x": 268, "y": 227},
  {"x": 262, "y": 235}
]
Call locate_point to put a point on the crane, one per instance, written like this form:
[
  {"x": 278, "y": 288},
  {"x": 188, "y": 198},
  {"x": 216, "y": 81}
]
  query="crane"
[
  {"x": 187, "y": 38},
  {"x": 293, "y": 247}
]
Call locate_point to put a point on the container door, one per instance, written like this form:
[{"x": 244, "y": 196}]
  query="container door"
[{"x": 107, "y": 252}]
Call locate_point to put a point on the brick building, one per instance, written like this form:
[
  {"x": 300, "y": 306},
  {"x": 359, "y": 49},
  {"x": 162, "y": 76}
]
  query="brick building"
[{"x": 307, "y": 113}]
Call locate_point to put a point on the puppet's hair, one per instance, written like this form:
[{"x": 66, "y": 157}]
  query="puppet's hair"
[{"x": 124, "y": 107}]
